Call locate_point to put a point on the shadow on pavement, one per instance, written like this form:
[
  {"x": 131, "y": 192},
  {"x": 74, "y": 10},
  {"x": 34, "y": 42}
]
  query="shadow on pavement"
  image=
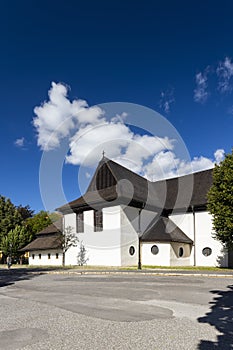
[
  {"x": 221, "y": 317},
  {"x": 10, "y": 276}
]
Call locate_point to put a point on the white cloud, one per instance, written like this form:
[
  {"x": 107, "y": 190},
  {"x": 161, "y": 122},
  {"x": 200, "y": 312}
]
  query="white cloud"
[
  {"x": 20, "y": 142},
  {"x": 119, "y": 143},
  {"x": 225, "y": 73},
  {"x": 200, "y": 92},
  {"x": 56, "y": 118},
  {"x": 222, "y": 74},
  {"x": 165, "y": 164},
  {"x": 219, "y": 155},
  {"x": 196, "y": 164},
  {"x": 89, "y": 142},
  {"x": 89, "y": 133},
  {"x": 166, "y": 100}
]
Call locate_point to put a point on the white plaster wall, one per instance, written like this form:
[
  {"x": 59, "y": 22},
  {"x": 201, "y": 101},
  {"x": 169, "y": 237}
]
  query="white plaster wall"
[
  {"x": 175, "y": 259},
  {"x": 160, "y": 259},
  {"x": 71, "y": 254},
  {"x": 103, "y": 248},
  {"x": 204, "y": 238},
  {"x": 70, "y": 220},
  {"x": 129, "y": 236},
  {"x": 185, "y": 222},
  {"x": 44, "y": 261}
]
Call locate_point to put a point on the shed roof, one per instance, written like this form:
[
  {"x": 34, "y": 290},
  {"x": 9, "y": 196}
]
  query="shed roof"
[
  {"x": 44, "y": 242},
  {"x": 165, "y": 230},
  {"x": 48, "y": 238},
  {"x": 55, "y": 227}
]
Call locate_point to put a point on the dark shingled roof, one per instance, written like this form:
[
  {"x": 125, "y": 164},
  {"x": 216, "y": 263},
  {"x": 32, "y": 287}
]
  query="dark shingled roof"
[
  {"x": 56, "y": 227},
  {"x": 164, "y": 230},
  {"x": 91, "y": 198},
  {"x": 114, "y": 183},
  {"x": 48, "y": 238},
  {"x": 44, "y": 242},
  {"x": 187, "y": 191},
  {"x": 114, "y": 173},
  {"x": 111, "y": 182}
]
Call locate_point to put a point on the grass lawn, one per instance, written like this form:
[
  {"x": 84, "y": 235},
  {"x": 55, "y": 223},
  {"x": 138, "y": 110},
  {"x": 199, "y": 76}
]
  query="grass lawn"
[{"x": 125, "y": 268}]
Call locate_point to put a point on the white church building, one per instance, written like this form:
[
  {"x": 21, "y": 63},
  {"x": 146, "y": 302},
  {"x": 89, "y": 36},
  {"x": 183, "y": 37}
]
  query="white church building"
[{"x": 125, "y": 220}]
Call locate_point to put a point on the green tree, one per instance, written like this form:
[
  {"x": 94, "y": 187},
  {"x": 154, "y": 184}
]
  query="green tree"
[
  {"x": 9, "y": 216},
  {"x": 18, "y": 226},
  {"x": 14, "y": 240},
  {"x": 38, "y": 222},
  {"x": 55, "y": 216},
  {"x": 220, "y": 200},
  {"x": 25, "y": 212}
]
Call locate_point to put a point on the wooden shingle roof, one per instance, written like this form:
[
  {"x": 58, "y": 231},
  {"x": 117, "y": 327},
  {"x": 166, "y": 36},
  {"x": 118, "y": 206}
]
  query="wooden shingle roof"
[
  {"x": 56, "y": 227},
  {"x": 48, "y": 238},
  {"x": 44, "y": 242},
  {"x": 113, "y": 182},
  {"x": 165, "y": 230},
  {"x": 186, "y": 191}
]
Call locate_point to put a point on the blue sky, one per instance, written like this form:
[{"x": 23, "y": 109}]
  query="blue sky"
[{"x": 174, "y": 57}]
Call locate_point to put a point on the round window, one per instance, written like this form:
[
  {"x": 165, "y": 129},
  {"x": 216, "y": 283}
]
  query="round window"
[
  {"x": 131, "y": 250},
  {"x": 154, "y": 249},
  {"x": 207, "y": 251},
  {"x": 181, "y": 252}
]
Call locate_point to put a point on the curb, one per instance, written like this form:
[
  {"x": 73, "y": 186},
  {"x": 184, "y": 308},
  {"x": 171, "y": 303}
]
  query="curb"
[{"x": 121, "y": 273}]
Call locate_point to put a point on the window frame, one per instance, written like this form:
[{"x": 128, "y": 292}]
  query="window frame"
[
  {"x": 132, "y": 250},
  {"x": 181, "y": 252},
  {"x": 98, "y": 220},
  {"x": 80, "y": 222},
  {"x": 208, "y": 250},
  {"x": 156, "y": 248}
]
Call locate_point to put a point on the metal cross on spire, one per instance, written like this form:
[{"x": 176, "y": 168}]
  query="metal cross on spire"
[{"x": 103, "y": 154}]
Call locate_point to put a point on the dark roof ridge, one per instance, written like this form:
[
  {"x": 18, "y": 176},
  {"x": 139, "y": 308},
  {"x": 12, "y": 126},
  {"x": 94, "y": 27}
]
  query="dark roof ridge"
[
  {"x": 107, "y": 160},
  {"x": 55, "y": 227},
  {"x": 183, "y": 176}
]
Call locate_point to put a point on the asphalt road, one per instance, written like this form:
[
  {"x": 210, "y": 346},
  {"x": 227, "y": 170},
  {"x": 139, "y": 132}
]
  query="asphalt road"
[{"x": 68, "y": 311}]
